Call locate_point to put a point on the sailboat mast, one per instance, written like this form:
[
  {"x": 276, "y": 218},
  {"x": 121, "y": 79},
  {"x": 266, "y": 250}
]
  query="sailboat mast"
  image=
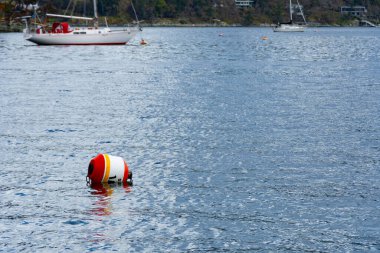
[
  {"x": 96, "y": 24},
  {"x": 290, "y": 11}
]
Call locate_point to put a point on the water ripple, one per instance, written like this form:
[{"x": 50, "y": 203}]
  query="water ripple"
[{"x": 236, "y": 143}]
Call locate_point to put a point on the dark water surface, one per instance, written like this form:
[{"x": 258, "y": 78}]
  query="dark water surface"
[{"x": 236, "y": 143}]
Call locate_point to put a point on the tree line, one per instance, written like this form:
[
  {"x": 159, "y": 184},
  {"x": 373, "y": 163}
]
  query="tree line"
[{"x": 198, "y": 11}]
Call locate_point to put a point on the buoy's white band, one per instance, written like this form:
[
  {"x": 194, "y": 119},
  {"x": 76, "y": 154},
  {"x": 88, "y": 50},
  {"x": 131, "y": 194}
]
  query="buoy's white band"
[{"x": 114, "y": 168}]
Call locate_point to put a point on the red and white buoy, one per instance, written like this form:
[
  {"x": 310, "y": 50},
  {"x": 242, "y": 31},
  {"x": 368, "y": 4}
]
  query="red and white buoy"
[{"x": 108, "y": 169}]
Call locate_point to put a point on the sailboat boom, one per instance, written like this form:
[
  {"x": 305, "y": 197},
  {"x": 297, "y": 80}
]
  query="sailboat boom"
[{"x": 66, "y": 16}]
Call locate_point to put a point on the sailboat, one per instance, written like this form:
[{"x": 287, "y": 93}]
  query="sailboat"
[
  {"x": 60, "y": 33},
  {"x": 290, "y": 26}
]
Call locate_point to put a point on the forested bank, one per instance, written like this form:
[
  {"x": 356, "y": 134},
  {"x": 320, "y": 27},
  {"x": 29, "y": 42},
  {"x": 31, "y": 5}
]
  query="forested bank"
[{"x": 188, "y": 12}]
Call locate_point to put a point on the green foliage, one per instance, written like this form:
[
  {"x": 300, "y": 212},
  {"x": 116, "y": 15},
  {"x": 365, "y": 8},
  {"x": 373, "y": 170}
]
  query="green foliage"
[
  {"x": 201, "y": 11},
  {"x": 248, "y": 17},
  {"x": 277, "y": 13}
]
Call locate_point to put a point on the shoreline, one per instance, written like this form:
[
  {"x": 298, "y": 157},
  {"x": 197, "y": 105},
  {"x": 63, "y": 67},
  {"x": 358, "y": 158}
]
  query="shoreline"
[{"x": 4, "y": 29}]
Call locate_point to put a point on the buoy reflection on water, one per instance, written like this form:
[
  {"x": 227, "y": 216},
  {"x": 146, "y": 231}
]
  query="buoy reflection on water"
[{"x": 103, "y": 205}]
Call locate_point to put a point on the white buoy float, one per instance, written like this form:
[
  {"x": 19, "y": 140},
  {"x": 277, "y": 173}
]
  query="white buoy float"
[{"x": 106, "y": 168}]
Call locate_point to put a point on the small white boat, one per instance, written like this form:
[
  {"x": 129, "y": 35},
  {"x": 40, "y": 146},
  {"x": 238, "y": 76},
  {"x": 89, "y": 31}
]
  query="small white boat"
[
  {"x": 60, "y": 33},
  {"x": 291, "y": 26},
  {"x": 288, "y": 27}
]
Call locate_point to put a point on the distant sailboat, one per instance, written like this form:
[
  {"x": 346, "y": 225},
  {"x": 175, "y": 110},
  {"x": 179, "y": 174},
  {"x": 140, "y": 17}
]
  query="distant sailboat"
[
  {"x": 290, "y": 26},
  {"x": 60, "y": 33}
]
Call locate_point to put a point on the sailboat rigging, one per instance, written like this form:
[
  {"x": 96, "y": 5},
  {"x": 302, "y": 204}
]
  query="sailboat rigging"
[
  {"x": 60, "y": 33},
  {"x": 291, "y": 26}
]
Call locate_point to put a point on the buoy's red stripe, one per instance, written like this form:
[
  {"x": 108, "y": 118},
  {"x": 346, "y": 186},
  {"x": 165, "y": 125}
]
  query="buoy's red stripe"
[
  {"x": 126, "y": 171},
  {"x": 98, "y": 169}
]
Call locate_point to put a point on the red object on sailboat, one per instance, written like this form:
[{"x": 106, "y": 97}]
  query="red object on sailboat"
[{"x": 61, "y": 27}]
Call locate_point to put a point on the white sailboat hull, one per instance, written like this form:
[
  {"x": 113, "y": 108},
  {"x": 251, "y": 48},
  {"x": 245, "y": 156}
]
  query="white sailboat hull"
[
  {"x": 289, "y": 28},
  {"x": 83, "y": 37}
]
